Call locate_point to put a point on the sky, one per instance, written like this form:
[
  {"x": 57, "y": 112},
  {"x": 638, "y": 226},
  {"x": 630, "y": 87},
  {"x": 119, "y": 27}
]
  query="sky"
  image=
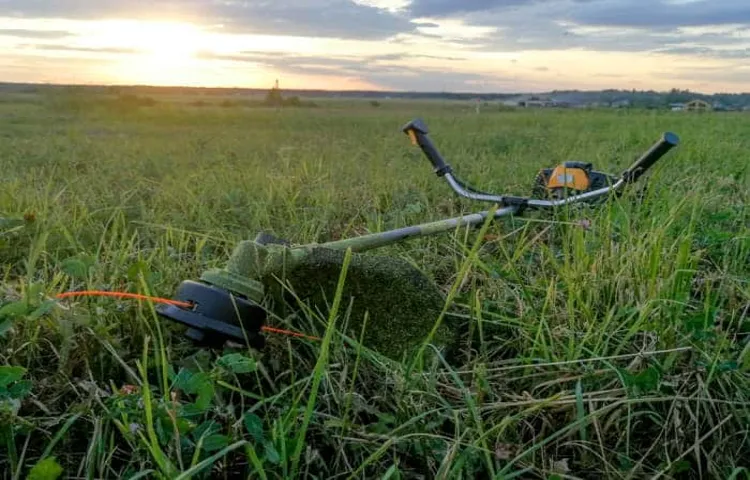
[{"x": 416, "y": 45}]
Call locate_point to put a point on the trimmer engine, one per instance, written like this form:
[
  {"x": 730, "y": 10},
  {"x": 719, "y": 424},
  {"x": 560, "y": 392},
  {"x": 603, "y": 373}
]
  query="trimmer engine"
[{"x": 570, "y": 178}]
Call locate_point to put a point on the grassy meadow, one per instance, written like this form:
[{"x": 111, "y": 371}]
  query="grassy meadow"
[{"x": 619, "y": 350}]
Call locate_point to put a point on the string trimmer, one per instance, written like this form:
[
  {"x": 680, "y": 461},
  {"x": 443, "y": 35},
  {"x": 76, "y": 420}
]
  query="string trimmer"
[{"x": 400, "y": 303}]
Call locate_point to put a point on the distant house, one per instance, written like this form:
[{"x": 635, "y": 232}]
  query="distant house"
[
  {"x": 697, "y": 105},
  {"x": 536, "y": 101},
  {"x": 720, "y": 107},
  {"x": 620, "y": 103},
  {"x": 677, "y": 107},
  {"x": 542, "y": 101}
]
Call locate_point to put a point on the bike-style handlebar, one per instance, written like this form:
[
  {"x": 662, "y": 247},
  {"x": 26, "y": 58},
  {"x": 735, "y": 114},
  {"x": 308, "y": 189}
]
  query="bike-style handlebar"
[
  {"x": 668, "y": 141},
  {"x": 419, "y": 134}
]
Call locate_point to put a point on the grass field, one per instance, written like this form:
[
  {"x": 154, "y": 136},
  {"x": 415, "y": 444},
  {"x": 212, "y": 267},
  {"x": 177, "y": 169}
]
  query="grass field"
[{"x": 615, "y": 351}]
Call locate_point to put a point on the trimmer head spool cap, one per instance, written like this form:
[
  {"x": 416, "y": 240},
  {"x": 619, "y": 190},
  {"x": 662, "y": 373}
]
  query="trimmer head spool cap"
[{"x": 217, "y": 315}]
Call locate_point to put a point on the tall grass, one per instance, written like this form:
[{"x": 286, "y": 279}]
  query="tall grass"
[{"x": 617, "y": 350}]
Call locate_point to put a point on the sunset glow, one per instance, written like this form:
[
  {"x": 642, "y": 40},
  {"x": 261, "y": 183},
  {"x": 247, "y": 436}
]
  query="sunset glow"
[
  {"x": 378, "y": 44},
  {"x": 162, "y": 53}
]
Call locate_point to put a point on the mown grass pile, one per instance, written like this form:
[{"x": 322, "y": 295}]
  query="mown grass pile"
[{"x": 602, "y": 343}]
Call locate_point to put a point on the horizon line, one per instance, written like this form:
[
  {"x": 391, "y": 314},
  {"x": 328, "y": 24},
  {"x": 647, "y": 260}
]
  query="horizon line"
[{"x": 383, "y": 91}]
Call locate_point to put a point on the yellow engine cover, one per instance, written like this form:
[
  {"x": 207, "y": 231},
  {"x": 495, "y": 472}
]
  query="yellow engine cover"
[{"x": 570, "y": 178}]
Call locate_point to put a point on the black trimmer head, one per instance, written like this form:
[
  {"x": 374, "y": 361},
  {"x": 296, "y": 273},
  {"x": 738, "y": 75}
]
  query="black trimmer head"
[{"x": 216, "y": 316}]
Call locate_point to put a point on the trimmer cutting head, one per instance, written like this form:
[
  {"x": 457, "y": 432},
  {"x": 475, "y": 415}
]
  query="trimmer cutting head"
[
  {"x": 395, "y": 303},
  {"x": 217, "y": 315},
  {"x": 399, "y": 303}
]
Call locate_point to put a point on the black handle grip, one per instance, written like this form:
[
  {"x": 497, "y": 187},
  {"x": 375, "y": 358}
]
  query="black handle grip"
[
  {"x": 668, "y": 141},
  {"x": 417, "y": 131}
]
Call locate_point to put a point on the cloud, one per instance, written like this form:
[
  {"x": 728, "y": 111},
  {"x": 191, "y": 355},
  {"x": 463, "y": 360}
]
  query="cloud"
[
  {"x": 455, "y": 8},
  {"x": 389, "y": 71},
  {"x": 740, "y": 53},
  {"x": 68, "y": 48},
  {"x": 448, "y": 8},
  {"x": 318, "y": 18},
  {"x": 344, "y": 64},
  {"x": 42, "y": 34},
  {"x": 503, "y": 25},
  {"x": 661, "y": 14},
  {"x": 711, "y": 29},
  {"x": 356, "y": 62},
  {"x": 453, "y": 38}
]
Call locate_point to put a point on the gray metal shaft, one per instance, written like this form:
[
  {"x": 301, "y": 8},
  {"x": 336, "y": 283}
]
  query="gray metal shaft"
[{"x": 375, "y": 240}]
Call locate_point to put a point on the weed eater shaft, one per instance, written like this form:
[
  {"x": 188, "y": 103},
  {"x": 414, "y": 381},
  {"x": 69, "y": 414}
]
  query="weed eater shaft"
[{"x": 375, "y": 240}]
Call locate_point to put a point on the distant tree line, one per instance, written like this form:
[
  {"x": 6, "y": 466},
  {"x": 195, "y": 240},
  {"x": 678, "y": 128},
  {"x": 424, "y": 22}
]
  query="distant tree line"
[
  {"x": 652, "y": 98},
  {"x": 294, "y": 97}
]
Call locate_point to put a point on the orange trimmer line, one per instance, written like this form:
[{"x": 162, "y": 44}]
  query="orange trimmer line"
[{"x": 138, "y": 296}]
